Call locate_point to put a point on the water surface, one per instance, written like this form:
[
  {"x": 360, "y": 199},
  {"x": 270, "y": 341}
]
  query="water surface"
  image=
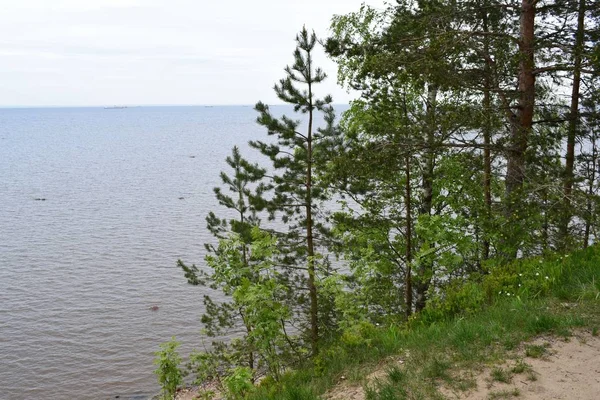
[{"x": 126, "y": 193}]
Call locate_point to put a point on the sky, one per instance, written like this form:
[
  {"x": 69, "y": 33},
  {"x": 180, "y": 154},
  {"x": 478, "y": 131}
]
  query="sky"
[{"x": 156, "y": 52}]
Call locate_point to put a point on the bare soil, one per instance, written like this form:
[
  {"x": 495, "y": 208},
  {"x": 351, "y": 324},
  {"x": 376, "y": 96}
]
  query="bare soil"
[{"x": 569, "y": 369}]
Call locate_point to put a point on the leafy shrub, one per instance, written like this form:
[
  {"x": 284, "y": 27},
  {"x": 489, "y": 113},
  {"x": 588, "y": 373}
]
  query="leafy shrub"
[
  {"x": 359, "y": 334},
  {"x": 457, "y": 298},
  {"x": 526, "y": 278},
  {"x": 239, "y": 383},
  {"x": 168, "y": 371}
]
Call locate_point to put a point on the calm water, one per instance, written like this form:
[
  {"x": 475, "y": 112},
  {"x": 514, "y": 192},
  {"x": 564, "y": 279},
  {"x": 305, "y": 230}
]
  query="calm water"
[{"x": 80, "y": 270}]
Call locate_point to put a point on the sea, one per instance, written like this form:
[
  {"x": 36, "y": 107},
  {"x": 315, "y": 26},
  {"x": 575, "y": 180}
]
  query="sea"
[{"x": 96, "y": 207}]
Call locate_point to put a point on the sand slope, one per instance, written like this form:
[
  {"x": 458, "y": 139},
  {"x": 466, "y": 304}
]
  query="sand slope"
[{"x": 569, "y": 370}]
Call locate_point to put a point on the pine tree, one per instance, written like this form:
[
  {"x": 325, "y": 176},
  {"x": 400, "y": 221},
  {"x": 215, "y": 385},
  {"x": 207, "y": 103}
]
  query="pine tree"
[
  {"x": 295, "y": 156},
  {"x": 231, "y": 261}
]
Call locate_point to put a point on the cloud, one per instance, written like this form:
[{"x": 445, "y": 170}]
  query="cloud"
[{"x": 89, "y": 52}]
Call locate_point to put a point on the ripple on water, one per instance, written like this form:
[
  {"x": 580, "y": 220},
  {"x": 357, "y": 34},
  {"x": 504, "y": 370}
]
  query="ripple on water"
[{"x": 79, "y": 271}]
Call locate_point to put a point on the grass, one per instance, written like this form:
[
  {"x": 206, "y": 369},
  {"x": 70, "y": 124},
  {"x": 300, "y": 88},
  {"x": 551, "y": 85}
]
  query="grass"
[
  {"x": 532, "y": 376},
  {"x": 435, "y": 352},
  {"x": 504, "y": 394},
  {"x": 535, "y": 351},
  {"x": 520, "y": 367},
  {"x": 396, "y": 375},
  {"x": 501, "y": 375}
]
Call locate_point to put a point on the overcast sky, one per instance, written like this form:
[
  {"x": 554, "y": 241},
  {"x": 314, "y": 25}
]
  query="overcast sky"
[{"x": 135, "y": 52}]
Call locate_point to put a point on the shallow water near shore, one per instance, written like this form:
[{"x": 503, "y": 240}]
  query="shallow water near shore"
[{"x": 96, "y": 206}]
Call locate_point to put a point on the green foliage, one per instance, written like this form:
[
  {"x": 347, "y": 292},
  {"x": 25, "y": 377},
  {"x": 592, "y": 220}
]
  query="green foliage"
[
  {"x": 528, "y": 277},
  {"x": 419, "y": 107},
  {"x": 436, "y": 345},
  {"x": 168, "y": 369},
  {"x": 430, "y": 351},
  {"x": 396, "y": 375},
  {"x": 449, "y": 201},
  {"x": 298, "y": 154},
  {"x": 522, "y": 279},
  {"x": 358, "y": 335},
  {"x": 256, "y": 295},
  {"x": 238, "y": 383},
  {"x": 248, "y": 188},
  {"x": 456, "y": 299},
  {"x": 206, "y": 366}
]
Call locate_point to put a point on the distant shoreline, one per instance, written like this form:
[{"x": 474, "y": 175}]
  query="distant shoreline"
[{"x": 150, "y": 105}]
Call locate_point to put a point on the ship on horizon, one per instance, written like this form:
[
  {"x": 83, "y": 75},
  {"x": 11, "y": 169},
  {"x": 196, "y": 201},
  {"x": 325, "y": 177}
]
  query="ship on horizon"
[{"x": 114, "y": 107}]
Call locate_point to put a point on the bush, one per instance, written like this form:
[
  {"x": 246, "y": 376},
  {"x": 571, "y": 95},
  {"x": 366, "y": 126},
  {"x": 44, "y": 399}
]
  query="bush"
[
  {"x": 358, "y": 335},
  {"x": 239, "y": 383},
  {"x": 530, "y": 278},
  {"x": 457, "y": 298},
  {"x": 168, "y": 371}
]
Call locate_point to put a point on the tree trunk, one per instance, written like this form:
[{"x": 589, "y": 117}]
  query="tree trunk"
[
  {"x": 521, "y": 123},
  {"x": 314, "y": 309},
  {"x": 408, "y": 277},
  {"x": 426, "y": 266},
  {"x": 487, "y": 138},
  {"x": 590, "y": 193},
  {"x": 573, "y": 122}
]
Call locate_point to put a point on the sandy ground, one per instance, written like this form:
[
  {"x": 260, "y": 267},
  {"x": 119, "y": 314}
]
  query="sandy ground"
[
  {"x": 569, "y": 370},
  {"x": 192, "y": 394},
  {"x": 350, "y": 391},
  {"x": 186, "y": 394}
]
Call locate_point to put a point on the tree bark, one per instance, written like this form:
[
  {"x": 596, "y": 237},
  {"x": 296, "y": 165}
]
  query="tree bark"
[
  {"x": 522, "y": 122},
  {"x": 314, "y": 309},
  {"x": 426, "y": 267},
  {"x": 487, "y": 139},
  {"x": 590, "y": 194},
  {"x": 407, "y": 203},
  {"x": 573, "y": 123}
]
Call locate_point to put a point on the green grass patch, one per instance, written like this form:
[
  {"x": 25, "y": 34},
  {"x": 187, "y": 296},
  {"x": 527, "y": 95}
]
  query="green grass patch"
[
  {"x": 535, "y": 351},
  {"x": 396, "y": 375},
  {"x": 441, "y": 342},
  {"x": 501, "y": 375},
  {"x": 504, "y": 394},
  {"x": 520, "y": 367}
]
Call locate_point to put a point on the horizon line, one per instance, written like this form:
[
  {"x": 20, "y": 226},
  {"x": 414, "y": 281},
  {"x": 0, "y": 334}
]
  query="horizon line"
[{"x": 143, "y": 105}]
